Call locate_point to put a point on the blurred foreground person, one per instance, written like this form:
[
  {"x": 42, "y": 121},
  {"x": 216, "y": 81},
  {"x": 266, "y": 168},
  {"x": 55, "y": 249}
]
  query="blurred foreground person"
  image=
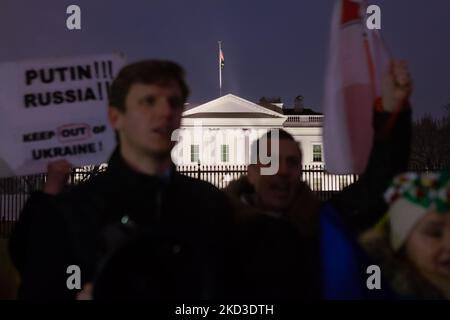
[
  {"x": 17, "y": 245},
  {"x": 411, "y": 243},
  {"x": 58, "y": 173},
  {"x": 285, "y": 198},
  {"x": 139, "y": 230}
]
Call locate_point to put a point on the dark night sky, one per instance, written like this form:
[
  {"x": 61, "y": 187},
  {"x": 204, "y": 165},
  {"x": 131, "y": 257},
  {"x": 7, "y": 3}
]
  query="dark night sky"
[{"x": 271, "y": 47}]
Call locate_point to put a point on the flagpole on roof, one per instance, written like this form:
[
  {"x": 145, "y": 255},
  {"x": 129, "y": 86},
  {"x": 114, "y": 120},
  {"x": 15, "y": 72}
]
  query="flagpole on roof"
[{"x": 220, "y": 68}]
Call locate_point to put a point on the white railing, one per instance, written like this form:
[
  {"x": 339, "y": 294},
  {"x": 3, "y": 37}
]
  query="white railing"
[{"x": 305, "y": 120}]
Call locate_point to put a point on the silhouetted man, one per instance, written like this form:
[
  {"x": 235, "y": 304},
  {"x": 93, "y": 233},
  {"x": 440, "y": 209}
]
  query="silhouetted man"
[{"x": 139, "y": 230}]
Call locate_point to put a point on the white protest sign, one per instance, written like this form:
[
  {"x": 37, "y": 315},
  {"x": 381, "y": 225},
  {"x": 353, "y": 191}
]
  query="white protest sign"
[{"x": 55, "y": 109}]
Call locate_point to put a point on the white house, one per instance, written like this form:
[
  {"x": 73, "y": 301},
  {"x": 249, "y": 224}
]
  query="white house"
[{"x": 220, "y": 132}]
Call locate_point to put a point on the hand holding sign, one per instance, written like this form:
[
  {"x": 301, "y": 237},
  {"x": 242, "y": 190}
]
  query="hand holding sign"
[
  {"x": 58, "y": 175},
  {"x": 54, "y": 109}
]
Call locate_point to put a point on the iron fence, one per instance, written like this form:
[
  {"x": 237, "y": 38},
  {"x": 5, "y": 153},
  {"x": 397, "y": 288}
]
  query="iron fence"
[{"x": 15, "y": 191}]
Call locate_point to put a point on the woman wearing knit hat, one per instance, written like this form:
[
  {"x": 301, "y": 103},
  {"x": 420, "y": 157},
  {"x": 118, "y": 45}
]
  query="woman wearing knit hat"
[{"x": 412, "y": 242}]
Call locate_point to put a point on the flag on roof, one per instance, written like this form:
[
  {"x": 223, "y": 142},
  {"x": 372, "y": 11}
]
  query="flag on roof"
[{"x": 221, "y": 59}]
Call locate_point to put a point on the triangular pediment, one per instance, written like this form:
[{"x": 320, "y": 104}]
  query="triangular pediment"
[{"x": 231, "y": 106}]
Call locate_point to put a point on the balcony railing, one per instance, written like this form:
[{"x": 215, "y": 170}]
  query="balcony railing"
[{"x": 304, "y": 121}]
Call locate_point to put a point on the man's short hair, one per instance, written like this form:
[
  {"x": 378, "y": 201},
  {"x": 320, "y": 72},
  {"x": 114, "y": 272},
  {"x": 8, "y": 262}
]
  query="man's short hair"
[
  {"x": 157, "y": 72},
  {"x": 282, "y": 135}
]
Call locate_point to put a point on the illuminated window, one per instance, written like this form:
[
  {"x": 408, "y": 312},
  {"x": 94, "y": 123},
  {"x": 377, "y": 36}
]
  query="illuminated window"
[
  {"x": 224, "y": 153},
  {"x": 317, "y": 153},
  {"x": 195, "y": 153}
]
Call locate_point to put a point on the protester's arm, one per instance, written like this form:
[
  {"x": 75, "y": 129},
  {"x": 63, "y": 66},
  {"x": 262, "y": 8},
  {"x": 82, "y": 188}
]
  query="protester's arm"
[
  {"x": 361, "y": 204},
  {"x": 58, "y": 173}
]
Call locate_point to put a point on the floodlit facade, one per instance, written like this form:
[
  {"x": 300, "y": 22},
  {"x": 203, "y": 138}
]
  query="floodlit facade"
[{"x": 220, "y": 132}]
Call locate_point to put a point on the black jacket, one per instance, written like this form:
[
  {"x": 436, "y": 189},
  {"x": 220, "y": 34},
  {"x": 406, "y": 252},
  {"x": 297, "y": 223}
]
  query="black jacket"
[
  {"x": 125, "y": 222},
  {"x": 20, "y": 240}
]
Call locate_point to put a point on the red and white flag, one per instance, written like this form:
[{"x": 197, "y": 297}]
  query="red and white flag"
[{"x": 357, "y": 59}]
